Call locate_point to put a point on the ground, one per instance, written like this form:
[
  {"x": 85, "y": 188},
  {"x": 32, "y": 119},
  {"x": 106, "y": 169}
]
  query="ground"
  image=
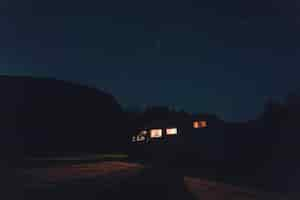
[{"x": 123, "y": 180}]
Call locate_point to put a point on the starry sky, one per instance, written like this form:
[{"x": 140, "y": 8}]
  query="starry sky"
[{"x": 215, "y": 56}]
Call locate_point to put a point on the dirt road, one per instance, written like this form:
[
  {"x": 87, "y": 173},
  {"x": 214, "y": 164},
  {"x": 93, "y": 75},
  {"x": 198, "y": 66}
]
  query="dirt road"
[{"x": 115, "y": 180}]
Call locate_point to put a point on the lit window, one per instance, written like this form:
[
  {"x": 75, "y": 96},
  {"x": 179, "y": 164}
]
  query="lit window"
[
  {"x": 200, "y": 124},
  {"x": 196, "y": 124},
  {"x": 171, "y": 131},
  {"x": 156, "y": 133},
  {"x": 203, "y": 124}
]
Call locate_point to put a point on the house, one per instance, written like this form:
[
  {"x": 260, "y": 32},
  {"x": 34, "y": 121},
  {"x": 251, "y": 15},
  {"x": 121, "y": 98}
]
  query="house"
[
  {"x": 170, "y": 131},
  {"x": 198, "y": 135}
]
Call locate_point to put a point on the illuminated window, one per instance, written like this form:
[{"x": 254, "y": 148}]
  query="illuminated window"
[
  {"x": 144, "y": 132},
  {"x": 156, "y": 133},
  {"x": 171, "y": 131},
  {"x": 200, "y": 124},
  {"x": 196, "y": 124},
  {"x": 203, "y": 124}
]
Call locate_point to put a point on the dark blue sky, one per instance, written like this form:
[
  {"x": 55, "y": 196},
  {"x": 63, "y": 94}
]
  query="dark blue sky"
[{"x": 213, "y": 56}]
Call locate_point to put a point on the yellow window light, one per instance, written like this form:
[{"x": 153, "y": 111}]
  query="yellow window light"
[
  {"x": 156, "y": 133},
  {"x": 196, "y": 124},
  {"x": 171, "y": 131},
  {"x": 203, "y": 124},
  {"x": 199, "y": 124}
]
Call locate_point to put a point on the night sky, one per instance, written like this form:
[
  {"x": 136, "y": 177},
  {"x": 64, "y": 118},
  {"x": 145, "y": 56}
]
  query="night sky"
[{"x": 215, "y": 56}]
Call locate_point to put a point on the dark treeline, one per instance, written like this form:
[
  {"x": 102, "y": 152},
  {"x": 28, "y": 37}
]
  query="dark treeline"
[
  {"x": 279, "y": 127},
  {"x": 50, "y": 117},
  {"x": 262, "y": 152}
]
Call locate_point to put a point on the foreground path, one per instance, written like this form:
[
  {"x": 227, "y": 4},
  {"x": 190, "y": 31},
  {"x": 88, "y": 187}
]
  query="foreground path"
[
  {"x": 209, "y": 190},
  {"x": 122, "y": 180},
  {"x": 102, "y": 180},
  {"x": 110, "y": 173}
]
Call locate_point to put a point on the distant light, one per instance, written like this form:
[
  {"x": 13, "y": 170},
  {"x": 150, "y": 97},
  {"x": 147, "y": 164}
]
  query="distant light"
[
  {"x": 196, "y": 124},
  {"x": 140, "y": 138},
  {"x": 203, "y": 124},
  {"x": 200, "y": 124},
  {"x": 171, "y": 131},
  {"x": 156, "y": 133},
  {"x": 133, "y": 139},
  {"x": 143, "y": 132}
]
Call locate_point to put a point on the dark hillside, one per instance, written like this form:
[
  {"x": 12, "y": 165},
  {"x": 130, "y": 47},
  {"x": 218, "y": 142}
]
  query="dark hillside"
[{"x": 49, "y": 116}]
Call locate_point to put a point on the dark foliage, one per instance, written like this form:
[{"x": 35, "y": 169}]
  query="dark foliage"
[{"x": 44, "y": 116}]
